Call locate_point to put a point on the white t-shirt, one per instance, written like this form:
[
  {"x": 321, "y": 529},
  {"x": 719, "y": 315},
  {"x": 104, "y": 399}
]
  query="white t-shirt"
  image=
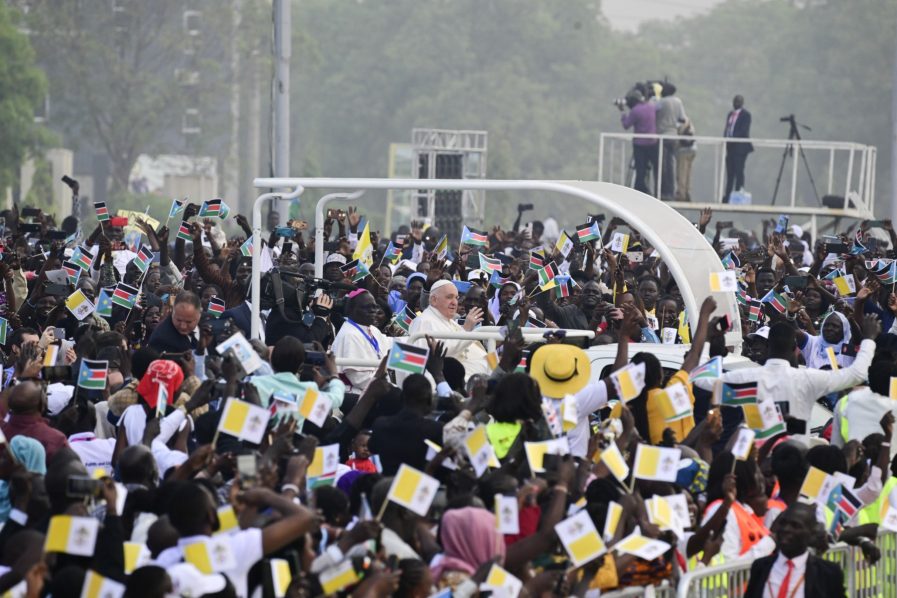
[
  {"x": 95, "y": 453},
  {"x": 246, "y": 547}
]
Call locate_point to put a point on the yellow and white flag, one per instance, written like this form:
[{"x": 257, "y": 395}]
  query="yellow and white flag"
[
  {"x": 210, "y": 555},
  {"x": 97, "y": 586},
  {"x": 580, "y": 538},
  {"x": 723, "y": 282},
  {"x": 846, "y": 285},
  {"x": 501, "y": 583},
  {"x": 364, "y": 251},
  {"x": 507, "y": 515},
  {"x": 619, "y": 243},
  {"x": 564, "y": 244},
  {"x": 892, "y": 391},
  {"x": 676, "y": 402},
  {"x": 478, "y": 450},
  {"x": 79, "y": 305},
  {"x": 280, "y": 577},
  {"x": 656, "y": 463},
  {"x": 413, "y": 490},
  {"x": 72, "y": 535},
  {"x": 136, "y": 556},
  {"x": 244, "y": 420},
  {"x": 818, "y": 485},
  {"x": 338, "y": 578},
  {"x": 629, "y": 381},
  {"x": 325, "y": 461},
  {"x": 660, "y": 513},
  {"x": 743, "y": 444},
  {"x": 536, "y": 451},
  {"x": 613, "y": 459},
  {"x": 612, "y": 520},
  {"x": 315, "y": 407},
  {"x": 227, "y": 520},
  {"x": 644, "y": 548}
]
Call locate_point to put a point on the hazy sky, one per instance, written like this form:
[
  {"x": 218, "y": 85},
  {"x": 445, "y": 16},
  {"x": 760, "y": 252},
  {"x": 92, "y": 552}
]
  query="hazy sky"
[{"x": 629, "y": 14}]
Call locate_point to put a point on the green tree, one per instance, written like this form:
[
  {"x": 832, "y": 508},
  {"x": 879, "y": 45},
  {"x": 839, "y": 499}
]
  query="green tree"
[{"x": 22, "y": 88}]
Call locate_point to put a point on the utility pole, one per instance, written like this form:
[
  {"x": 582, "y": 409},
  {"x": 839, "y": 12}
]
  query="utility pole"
[
  {"x": 282, "y": 53},
  {"x": 893, "y": 211}
]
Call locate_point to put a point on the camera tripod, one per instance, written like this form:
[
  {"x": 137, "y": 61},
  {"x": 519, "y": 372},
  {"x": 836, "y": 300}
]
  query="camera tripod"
[{"x": 794, "y": 134}]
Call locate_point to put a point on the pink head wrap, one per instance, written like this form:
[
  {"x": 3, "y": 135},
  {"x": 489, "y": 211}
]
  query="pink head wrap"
[{"x": 469, "y": 539}]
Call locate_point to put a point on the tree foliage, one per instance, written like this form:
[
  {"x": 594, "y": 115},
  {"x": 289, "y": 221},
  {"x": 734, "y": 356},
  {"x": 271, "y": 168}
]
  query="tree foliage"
[
  {"x": 22, "y": 87},
  {"x": 540, "y": 76}
]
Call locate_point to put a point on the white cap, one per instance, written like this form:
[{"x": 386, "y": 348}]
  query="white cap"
[
  {"x": 336, "y": 258},
  {"x": 439, "y": 284},
  {"x": 762, "y": 332},
  {"x": 58, "y": 397},
  {"x": 476, "y": 274}
]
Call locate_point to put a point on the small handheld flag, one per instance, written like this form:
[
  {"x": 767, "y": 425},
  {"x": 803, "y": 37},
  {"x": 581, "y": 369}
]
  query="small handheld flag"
[
  {"x": 144, "y": 258},
  {"x": 588, "y": 232},
  {"x": 413, "y": 490},
  {"x": 735, "y": 395},
  {"x": 656, "y": 463},
  {"x": 408, "y": 358},
  {"x": 441, "y": 249},
  {"x": 216, "y": 307},
  {"x": 246, "y": 247},
  {"x": 473, "y": 237},
  {"x": 92, "y": 374},
  {"x": 712, "y": 369},
  {"x": 104, "y": 304},
  {"x": 185, "y": 233},
  {"x": 177, "y": 206},
  {"x": 210, "y": 208},
  {"x": 83, "y": 258},
  {"x": 124, "y": 295},
  {"x": 102, "y": 212},
  {"x": 72, "y": 272},
  {"x": 244, "y": 420},
  {"x": 489, "y": 264},
  {"x": 4, "y": 328}
]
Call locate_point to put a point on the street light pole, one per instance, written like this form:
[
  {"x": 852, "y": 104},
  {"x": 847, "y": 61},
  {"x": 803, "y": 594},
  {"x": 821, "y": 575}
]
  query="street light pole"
[{"x": 282, "y": 54}]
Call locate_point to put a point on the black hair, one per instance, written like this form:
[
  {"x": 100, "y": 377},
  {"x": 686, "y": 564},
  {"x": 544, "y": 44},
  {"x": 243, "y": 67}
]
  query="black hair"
[
  {"x": 16, "y": 337},
  {"x": 828, "y": 458},
  {"x": 188, "y": 509},
  {"x": 745, "y": 477},
  {"x": 149, "y": 581},
  {"x": 333, "y": 504},
  {"x": 880, "y": 373},
  {"x": 141, "y": 360},
  {"x": 788, "y": 465},
  {"x": 454, "y": 373},
  {"x": 414, "y": 571},
  {"x": 288, "y": 355},
  {"x": 516, "y": 397},
  {"x": 417, "y": 392},
  {"x": 782, "y": 340}
]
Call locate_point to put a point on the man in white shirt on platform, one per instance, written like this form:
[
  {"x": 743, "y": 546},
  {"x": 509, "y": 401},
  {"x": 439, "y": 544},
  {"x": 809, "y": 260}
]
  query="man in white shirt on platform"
[
  {"x": 439, "y": 317},
  {"x": 358, "y": 338}
]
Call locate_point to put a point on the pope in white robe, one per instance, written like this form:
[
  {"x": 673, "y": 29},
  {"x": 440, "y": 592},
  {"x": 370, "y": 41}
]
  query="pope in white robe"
[{"x": 439, "y": 317}]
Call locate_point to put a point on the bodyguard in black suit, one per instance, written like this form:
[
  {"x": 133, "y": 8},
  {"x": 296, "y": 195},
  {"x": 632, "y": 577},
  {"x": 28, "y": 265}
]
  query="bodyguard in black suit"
[
  {"x": 791, "y": 571},
  {"x": 738, "y": 125}
]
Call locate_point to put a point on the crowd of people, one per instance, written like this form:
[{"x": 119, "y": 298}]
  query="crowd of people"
[
  {"x": 655, "y": 109},
  {"x": 153, "y": 446}
]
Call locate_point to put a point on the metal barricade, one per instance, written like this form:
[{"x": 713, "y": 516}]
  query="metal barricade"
[
  {"x": 861, "y": 579},
  {"x": 728, "y": 580},
  {"x": 664, "y": 590}
]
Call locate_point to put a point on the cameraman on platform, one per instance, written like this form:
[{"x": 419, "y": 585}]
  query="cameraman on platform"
[{"x": 642, "y": 119}]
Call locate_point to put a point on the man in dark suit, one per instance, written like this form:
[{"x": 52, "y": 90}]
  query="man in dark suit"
[
  {"x": 791, "y": 571},
  {"x": 400, "y": 438},
  {"x": 177, "y": 332},
  {"x": 738, "y": 126}
]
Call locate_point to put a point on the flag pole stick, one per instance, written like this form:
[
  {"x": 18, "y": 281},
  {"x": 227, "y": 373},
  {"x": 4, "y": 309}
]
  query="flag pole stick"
[{"x": 382, "y": 510}]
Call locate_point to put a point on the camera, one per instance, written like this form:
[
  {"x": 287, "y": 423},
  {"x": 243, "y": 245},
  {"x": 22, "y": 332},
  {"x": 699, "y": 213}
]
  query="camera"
[
  {"x": 287, "y": 290},
  {"x": 620, "y": 103},
  {"x": 77, "y": 486},
  {"x": 524, "y": 207}
]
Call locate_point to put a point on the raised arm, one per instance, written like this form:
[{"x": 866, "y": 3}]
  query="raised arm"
[{"x": 693, "y": 357}]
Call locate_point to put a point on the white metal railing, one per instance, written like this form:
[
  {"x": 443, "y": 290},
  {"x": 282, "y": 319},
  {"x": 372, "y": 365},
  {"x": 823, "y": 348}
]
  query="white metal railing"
[
  {"x": 861, "y": 579},
  {"x": 842, "y": 169},
  {"x": 489, "y": 334}
]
